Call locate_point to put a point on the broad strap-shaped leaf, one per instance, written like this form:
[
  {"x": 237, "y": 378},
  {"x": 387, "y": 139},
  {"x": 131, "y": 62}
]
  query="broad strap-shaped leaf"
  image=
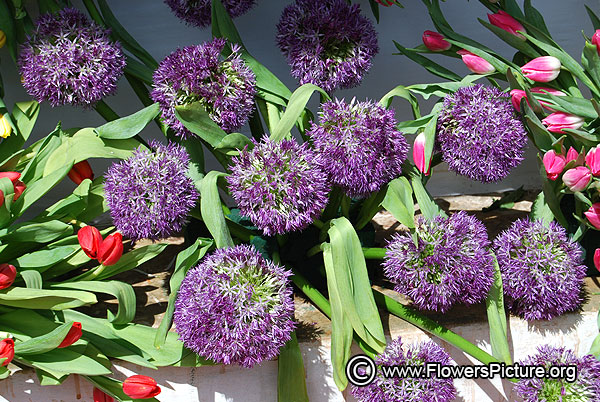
[
  {"x": 44, "y": 343},
  {"x": 45, "y": 299},
  {"x": 427, "y": 205},
  {"x": 291, "y": 382},
  {"x": 428, "y": 64},
  {"x": 211, "y": 209},
  {"x": 33, "y": 279},
  {"x": 497, "y": 318},
  {"x": 185, "y": 260},
  {"x": 441, "y": 89},
  {"x": 353, "y": 285},
  {"x": 294, "y": 109},
  {"x": 195, "y": 118},
  {"x": 541, "y": 210},
  {"x": 399, "y": 201},
  {"x": 129, "y": 126},
  {"x": 401, "y": 92},
  {"x": 341, "y": 327},
  {"x": 123, "y": 292}
]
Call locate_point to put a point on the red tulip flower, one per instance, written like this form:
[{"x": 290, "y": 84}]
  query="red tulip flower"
[
  {"x": 435, "y": 41},
  {"x": 72, "y": 336},
  {"x": 89, "y": 239},
  {"x": 81, "y": 171},
  {"x": 141, "y": 387},
  {"x": 8, "y": 273},
  {"x": 100, "y": 396},
  {"x": 7, "y": 350},
  {"x": 111, "y": 249}
]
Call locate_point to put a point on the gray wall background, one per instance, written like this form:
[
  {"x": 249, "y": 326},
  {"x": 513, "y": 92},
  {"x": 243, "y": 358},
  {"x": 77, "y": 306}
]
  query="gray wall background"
[{"x": 153, "y": 24}]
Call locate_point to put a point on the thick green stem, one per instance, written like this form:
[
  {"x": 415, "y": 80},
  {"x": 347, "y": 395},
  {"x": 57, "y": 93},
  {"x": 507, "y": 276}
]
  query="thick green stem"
[
  {"x": 432, "y": 327},
  {"x": 335, "y": 198},
  {"x": 373, "y": 253},
  {"x": 105, "y": 111},
  {"x": 94, "y": 13}
]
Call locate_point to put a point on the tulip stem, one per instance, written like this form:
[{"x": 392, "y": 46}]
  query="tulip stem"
[{"x": 91, "y": 275}]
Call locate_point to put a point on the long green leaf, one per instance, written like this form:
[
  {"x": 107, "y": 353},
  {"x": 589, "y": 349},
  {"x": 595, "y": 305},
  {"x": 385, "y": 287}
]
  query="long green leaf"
[
  {"x": 129, "y": 126},
  {"x": 428, "y": 207},
  {"x": 399, "y": 201},
  {"x": 429, "y": 65},
  {"x": 44, "y": 299},
  {"x": 212, "y": 210},
  {"x": 44, "y": 343},
  {"x": 185, "y": 260},
  {"x": 195, "y": 118},
  {"x": 353, "y": 285},
  {"x": 295, "y": 107},
  {"x": 291, "y": 382},
  {"x": 497, "y": 318}
]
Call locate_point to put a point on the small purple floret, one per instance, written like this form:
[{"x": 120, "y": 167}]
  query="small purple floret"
[
  {"x": 225, "y": 88},
  {"x": 279, "y": 186},
  {"x": 70, "y": 60},
  {"x": 450, "y": 264},
  {"x": 150, "y": 193},
  {"x": 394, "y": 389},
  {"x": 360, "y": 146},
  {"x": 542, "y": 269},
  {"x": 198, "y": 12},
  {"x": 479, "y": 133},
  {"x": 586, "y": 386},
  {"x": 235, "y": 307},
  {"x": 327, "y": 42}
]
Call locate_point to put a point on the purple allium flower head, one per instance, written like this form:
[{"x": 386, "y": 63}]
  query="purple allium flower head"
[
  {"x": 479, "y": 133},
  {"x": 542, "y": 269},
  {"x": 396, "y": 388},
  {"x": 198, "y": 12},
  {"x": 585, "y": 388},
  {"x": 150, "y": 193},
  {"x": 225, "y": 88},
  {"x": 450, "y": 263},
  {"x": 235, "y": 307},
  {"x": 361, "y": 148},
  {"x": 68, "y": 59},
  {"x": 327, "y": 42},
  {"x": 279, "y": 186}
]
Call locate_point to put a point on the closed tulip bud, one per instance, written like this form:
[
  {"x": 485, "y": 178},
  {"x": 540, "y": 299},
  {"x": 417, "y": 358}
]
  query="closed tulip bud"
[
  {"x": 8, "y": 273},
  {"x": 81, "y": 171},
  {"x": 572, "y": 155},
  {"x": 476, "y": 64},
  {"x": 19, "y": 187},
  {"x": 558, "y": 121},
  {"x": 2, "y": 39},
  {"x": 515, "y": 97},
  {"x": 554, "y": 164},
  {"x": 505, "y": 21},
  {"x": 597, "y": 259},
  {"x": 593, "y": 215},
  {"x": 577, "y": 179},
  {"x": 7, "y": 350},
  {"x": 140, "y": 387},
  {"x": 90, "y": 239},
  {"x": 419, "y": 154},
  {"x": 5, "y": 127},
  {"x": 111, "y": 249},
  {"x": 12, "y": 176},
  {"x": 542, "y": 69},
  {"x": 592, "y": 158},
  {"x": 435, "y": 41},
  {"x": 72, "y": 336},
  {"x": 596, "y": 40},
  {"x": 100, "y": 396}
]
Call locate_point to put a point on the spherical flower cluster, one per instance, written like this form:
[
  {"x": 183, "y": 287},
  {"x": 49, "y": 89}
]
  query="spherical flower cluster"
[
  {"x": 235, "y": 307},
  {"x": 450, "y": 263},
  {"x": 542, "y": 269},
  {"x": 361, "y": 148},
  {"x": 327, "y": 42},
  {"x": 68, "y": 59},
  {"x": 225, "y": 88},
  {"x": 150, "y": 193},
  {"x": 479, "y": 134},
  {"x": 279, "y": 186},
  {"x": 393, "y": 389},
  {"x": 198, "y": 12},
  {"x": 584, "y": 387}
]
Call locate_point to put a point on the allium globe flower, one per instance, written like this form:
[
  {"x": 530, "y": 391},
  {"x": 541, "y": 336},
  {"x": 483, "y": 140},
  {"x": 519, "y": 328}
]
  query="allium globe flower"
[
  {"x": 479, "y": 133},
  {"x": 327, "y": 42},
  {"x": 69, "y": 60},
  {"x": 198, "y": 12},
  {"x": 542, "y": 269},
  {"x": 361, "y": 148},
  {"x": 235, "y": 307},
  {"x": 150, "y": 193},
  {"x": 225, "y": 88},
  {"x": 394, "y": 389},
  {"x": 279, "y": 186},
  {"x": 586, "y": 386},
  {"x": 450, "y": 264}
]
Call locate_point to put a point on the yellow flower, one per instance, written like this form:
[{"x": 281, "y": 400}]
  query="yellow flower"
[
  {"x": 5, "y": 128},
  {"x": 2, "y": 39}
]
